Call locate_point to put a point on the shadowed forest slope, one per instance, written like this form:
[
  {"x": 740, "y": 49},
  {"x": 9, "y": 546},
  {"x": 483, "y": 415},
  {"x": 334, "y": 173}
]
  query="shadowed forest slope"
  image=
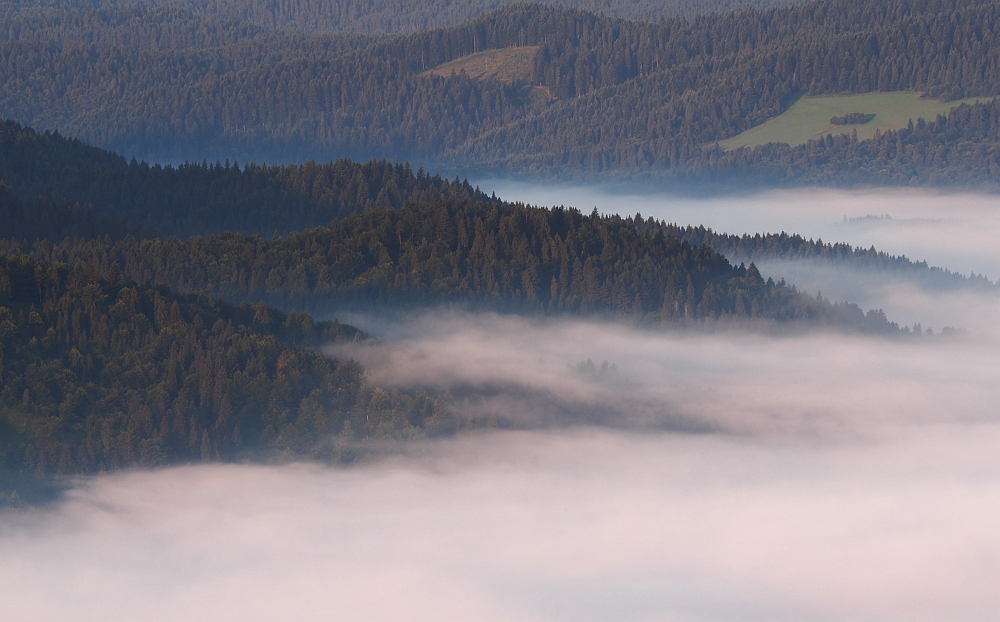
[{"x": 119, "y": 196}]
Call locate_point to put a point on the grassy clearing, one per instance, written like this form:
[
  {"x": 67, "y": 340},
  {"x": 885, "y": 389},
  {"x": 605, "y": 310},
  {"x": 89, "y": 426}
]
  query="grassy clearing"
[
  {"x": 508, "y": 65},
  {"x": 810, "y": 117}
]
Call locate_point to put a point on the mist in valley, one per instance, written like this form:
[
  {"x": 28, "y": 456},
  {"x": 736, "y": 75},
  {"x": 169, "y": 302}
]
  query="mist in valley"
[
  {"x": 695, "y": 476},
  {"x": 955, "y": 231},
  {"x": 952, "y": 229}
]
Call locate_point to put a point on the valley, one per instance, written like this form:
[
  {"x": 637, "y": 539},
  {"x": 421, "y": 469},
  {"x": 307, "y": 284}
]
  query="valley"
[{"x": 497, "y": 311}]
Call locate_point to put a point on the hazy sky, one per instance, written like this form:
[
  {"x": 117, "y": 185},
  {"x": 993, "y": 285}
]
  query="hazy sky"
[{"x": 720, "y": 477}]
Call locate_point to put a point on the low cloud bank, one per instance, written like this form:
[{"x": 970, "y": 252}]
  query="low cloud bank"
[
  {"x": 582, "y": 525},
  {"x": 734, "y": 477},
  {"x": 706, "y": 477},
  {"x": 904, "y": 299},
  {"x": 954, "y": 230},
  {"x": 818, "y": 385}
]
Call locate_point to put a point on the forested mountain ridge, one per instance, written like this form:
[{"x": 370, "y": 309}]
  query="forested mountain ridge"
[
  {"x": 119, "y": 197},
  {"x": 632, "y": 98},
  {"x": 443, "y": 242},
  {"x": 363, "y": 265},
  {"x": 97, "y": 374},
  {"x": 368, "y": 16},
  {"x": 483, "y": 256},
  {"x": 104, "y": 366}
]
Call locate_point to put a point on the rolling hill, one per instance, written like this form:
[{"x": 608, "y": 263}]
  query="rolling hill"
[{"x": 622, "y": 99}]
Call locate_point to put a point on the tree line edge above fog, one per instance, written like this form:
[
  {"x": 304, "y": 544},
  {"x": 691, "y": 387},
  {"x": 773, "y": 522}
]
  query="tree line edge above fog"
[
  {"x": 116, "y": 348},
  {"x": 58, "y": 187},
  {"x": 98, "y": 373}
]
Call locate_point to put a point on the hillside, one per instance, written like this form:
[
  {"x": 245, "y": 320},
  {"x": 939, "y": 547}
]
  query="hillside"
[
  {"x": 626, "y": 98},
  {"x": 92, "y": 192},
  {"x": 422, "y": 242},
  {"x": 97, "y": 374},
  {"x": 116, "y": 348},
  {"x": 962, "y": 149},
  {"x": 377, "y": 16},
  {"x": 477, "y": 256},
  {"x": 810, "y": 118},
  {"x": 786, "y": 247}
]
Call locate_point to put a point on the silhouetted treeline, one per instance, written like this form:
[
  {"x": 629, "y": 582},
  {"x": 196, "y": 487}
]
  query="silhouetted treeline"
[
  {"x": 98, "y": 374},
  {"x": 793, "y": 247},
  {"x": 124, "y": 197},
  {"x": 631, "y": 96},
  {"x": 479, "y": 255},
  {"x": 43, "y": 217}
]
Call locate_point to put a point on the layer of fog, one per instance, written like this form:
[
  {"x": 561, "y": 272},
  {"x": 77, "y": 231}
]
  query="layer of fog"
[
  {"x": 727, "y": 476},
  {"x": 733, "y": 477},
  {"x": 585, "y": 525},
  {"x": 957, "y": 231},
  {"x": 525, "y": 372},
  {"x": 905, "y": 300},
  {"x": 954, "y": 231}
]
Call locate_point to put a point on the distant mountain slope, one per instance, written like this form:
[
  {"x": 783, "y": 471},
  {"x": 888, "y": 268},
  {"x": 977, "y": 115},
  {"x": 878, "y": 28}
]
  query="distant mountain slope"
[
  {"x": 812, "y": 118},
  {"x": 962, "y": 149},
  {"x": 377, "y": 16},
  {"x": 627, "y": 98}
]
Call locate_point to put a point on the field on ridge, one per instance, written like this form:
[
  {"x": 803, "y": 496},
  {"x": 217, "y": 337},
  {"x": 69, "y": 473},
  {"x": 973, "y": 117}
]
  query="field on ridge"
[
  {"x": 509, "y": 65},
  {"x": 809, "y": 117}
]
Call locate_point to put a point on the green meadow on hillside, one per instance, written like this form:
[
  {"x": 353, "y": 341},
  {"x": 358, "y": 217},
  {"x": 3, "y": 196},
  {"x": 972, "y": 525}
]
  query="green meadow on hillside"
[{"x": 809, "y": 117}]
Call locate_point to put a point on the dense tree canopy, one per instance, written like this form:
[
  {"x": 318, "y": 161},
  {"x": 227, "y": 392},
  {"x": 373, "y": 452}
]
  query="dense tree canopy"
[
  {"x": 624, "y": 97},
  {"x": 480, "y": 255},
  {"x": 119, "y": 196},
  {"x": 452, "y": 246},
  {"x": 99, "y": 374},
  {"x": 103, "y": 365},
  {"x": 313, "y": 16}
]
